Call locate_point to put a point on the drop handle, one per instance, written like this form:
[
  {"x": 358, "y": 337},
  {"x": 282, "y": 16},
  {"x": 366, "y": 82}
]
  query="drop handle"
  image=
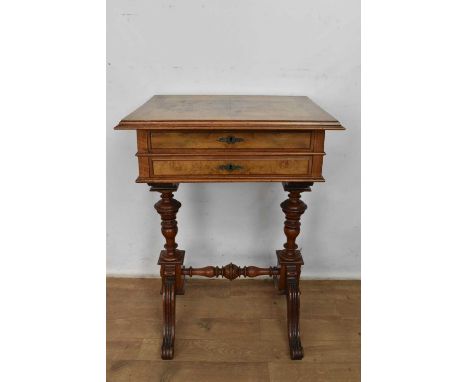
[
  {"x": 230, "y": 167},
  {"x": 230, "y": 139}
]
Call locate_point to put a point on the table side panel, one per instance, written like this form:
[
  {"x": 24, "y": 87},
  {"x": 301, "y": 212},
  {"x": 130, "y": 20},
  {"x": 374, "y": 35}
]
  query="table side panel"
[{"x": 142, "y": 141}]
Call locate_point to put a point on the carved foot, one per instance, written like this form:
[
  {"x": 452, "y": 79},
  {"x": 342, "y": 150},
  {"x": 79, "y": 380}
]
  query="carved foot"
[
  {"x": 293, "y": 304},
  {"x": 168, "y": 291}
]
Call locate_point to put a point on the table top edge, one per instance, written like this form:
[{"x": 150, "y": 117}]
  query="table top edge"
[{"x": 225, "y": 124}]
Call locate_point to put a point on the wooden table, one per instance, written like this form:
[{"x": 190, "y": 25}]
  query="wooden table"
[{"x": 185, "y": 139}]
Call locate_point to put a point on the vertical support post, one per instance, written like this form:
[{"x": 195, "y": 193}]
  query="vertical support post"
[
  {"x": 290, "y": 262},
  {"x": 171, "y": 260}
]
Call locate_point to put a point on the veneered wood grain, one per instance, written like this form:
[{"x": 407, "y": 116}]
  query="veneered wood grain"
[
  {"x": 316, "y": 165},
  {"x": 229, "y": 107},
  {"x": 211, "y": 140},
  {"x": 231, "y": 179},
  {"x": 274, "y": 166},
  {"x": 224, "y": 125},
  {"x": 318, "y": 141},
  {"x": 144, "y": 166},
  {"x": 273, "y": 135},
  {"x": 142, "y": 141},
  {"x": 247, "y": 153}
]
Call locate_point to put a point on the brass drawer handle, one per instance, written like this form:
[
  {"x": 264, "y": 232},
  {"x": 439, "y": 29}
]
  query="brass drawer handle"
[
  {"x": 230, "y": 139},
  {"x": 230, "y": 167}
]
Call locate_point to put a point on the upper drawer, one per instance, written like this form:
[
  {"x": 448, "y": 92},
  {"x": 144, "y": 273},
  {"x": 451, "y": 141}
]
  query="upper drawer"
[{"x": 231, "y": 140}]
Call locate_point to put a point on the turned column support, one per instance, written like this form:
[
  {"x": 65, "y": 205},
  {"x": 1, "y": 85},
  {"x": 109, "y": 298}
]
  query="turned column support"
[
  {"x": 170, "y": 260},
  {"x": 293, "y": 208},
  {"x": 168, "y": 207}
]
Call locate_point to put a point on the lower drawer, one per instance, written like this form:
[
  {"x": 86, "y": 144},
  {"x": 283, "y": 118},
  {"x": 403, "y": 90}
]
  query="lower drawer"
[{"x": 230, "y": 167}]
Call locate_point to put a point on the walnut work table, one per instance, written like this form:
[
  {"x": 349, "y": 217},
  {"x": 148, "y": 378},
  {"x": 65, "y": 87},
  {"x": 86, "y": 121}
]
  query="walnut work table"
[{"x": 184, "y": 139}]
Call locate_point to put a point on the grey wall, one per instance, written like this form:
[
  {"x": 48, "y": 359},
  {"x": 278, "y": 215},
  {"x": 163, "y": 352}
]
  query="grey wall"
[{"x": 235, "y": 47}]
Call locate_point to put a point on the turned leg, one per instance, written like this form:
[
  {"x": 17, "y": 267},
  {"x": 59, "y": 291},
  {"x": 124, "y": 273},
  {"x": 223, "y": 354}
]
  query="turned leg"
[
  {"x": 290, "y": 262},
  {"x": 170, "y": 260}
]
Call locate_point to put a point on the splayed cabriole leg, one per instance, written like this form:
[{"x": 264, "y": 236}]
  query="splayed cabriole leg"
[
  {"x": 290, "y": 262},
  {"x": 170, "y": 260}
]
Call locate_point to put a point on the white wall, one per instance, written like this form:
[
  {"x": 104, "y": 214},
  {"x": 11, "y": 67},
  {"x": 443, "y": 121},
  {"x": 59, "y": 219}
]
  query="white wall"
[{"x": 273, "y": 47}]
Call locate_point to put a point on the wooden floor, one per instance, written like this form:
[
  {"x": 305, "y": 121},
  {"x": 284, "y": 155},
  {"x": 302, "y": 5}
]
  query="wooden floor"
[{"x": 233, "y": 331}]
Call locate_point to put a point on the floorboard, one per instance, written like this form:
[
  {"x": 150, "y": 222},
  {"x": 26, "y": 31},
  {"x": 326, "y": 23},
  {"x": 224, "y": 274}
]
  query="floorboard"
[{"x": 233, "y": 331}]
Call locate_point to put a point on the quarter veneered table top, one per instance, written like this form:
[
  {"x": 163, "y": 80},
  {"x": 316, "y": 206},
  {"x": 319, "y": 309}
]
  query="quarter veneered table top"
[{"x": 228, "y": 110}]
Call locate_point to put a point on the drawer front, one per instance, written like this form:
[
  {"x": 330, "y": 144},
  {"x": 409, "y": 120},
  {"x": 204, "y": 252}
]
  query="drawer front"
[
  {"x": 233, "y": 140},
  {"x": 231, "y": 167}
]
